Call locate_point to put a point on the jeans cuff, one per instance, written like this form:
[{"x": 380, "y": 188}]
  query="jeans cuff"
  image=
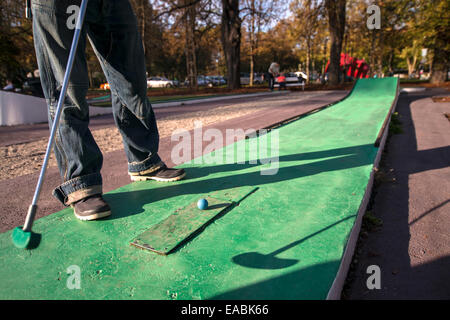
[
  {"x": 79, "y": 188},
  {"x": 149, "y": 165}
]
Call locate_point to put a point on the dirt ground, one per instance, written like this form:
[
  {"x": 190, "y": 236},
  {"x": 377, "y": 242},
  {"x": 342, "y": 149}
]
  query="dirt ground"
[{"x": 26, "y": 158}]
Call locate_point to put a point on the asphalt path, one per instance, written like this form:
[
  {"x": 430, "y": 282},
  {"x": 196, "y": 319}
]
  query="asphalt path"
[{"x": 412, "y": 247}]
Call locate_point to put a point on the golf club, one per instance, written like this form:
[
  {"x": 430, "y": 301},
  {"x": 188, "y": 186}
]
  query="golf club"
[
  {"x": 28, "y": 9},
  {"x": 21, "y": 236}
]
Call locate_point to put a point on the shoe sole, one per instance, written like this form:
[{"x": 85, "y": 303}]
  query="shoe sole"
[
  {"x": 145, "y": 178},
  {"x": 95, "y": 216}
]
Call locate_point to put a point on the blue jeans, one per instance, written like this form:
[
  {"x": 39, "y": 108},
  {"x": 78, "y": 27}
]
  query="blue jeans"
[
  {"x": 271, "y": 80},
  {"x": 111, "y": 27}
]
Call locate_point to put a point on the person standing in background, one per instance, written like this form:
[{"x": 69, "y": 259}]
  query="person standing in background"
[
  {"x": 281, "y": 79},
  {"x": 274, "y": 70}
]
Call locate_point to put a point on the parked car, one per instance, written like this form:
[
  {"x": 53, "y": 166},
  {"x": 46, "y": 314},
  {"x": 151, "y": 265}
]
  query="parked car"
[
  {"x": 222, "y": 80},
  {"x": 204, "y": 81},
  {"x": 33, "y": 85},
  {"x": 301, "y": 75},
  {"x": 216, "y": 80},
  {"x": 257, "y": 78},
  {"x": 201, "y": 81},
  {"x": 159, "y": 82},
  {"x": 402, "y": 74}
]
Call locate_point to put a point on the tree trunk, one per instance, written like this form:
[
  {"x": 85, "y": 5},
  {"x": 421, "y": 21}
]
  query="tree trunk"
[
  {"x": 439, "y": 67},
  {"x": 372, "y": 53},
  {"x": 380, "y": 55},
  {"x": 190, "y": 49},
  {"x": 231, "y": 41},
  {"x": 252, "y": 65},
  {"x": 143, "y": 24},
  {"x": 336, "y": 25},
  {"x": 91, "y": 78},
  {"x": 391, "y": 62},
  {"x": 252, "y": 44},
  {"x": 324, "y": 63},
  {"x": 308, "y": 59},
  {"x": 411, "y": 62}
]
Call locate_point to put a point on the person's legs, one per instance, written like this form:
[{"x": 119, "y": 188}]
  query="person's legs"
[
  {"x": 271, "y": 81},
  {"x": 78, "y": 156},
  {"x": 118, "y": 45}
]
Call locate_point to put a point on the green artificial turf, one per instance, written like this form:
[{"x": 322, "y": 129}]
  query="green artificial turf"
[{"x": 283, "y": 241}]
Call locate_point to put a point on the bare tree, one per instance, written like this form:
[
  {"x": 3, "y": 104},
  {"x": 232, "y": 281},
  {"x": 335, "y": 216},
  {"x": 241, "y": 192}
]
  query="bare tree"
[
  {"x": 196, "y": 17},
  {"x": 257, "y": 14},
  {"x": 336, "y": 25},
  {"x": 231, "y": 41},
  {"x": 189, "y": 17},
  {"x": 16, "y": 43},
  {"x": 307, "y": 14}
]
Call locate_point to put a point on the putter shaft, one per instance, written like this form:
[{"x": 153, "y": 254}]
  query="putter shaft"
[{"x": 33, "y": 207}]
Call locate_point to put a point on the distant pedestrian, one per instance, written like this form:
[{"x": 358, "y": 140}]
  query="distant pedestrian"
[
  {"x": 274, "y": 70},
  {"x": 281, "y": 79},
  {"x": 9, "y": 86}
]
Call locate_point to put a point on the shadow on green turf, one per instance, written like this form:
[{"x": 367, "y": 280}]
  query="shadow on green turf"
[
  {"x": 307, "y": 283},
  {"x": 130, "y": 203},
  {"x": 270, "y": 261},
  {"x": 203, "y": 171}
]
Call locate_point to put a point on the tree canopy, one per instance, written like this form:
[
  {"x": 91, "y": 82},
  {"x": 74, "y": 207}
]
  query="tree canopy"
[{"x": 186, "y": 38}]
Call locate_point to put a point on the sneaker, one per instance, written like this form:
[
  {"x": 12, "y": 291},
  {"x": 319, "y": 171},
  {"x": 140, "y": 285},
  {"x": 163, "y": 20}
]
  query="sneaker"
[
  {"x": 91, "y": 208},
  {"x": 163, "y": 174}
]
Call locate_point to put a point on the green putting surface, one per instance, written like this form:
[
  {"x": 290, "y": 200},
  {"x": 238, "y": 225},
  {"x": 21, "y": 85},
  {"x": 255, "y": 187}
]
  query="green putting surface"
[
  {"x": 285, "y": 240},
  {"x": 105, "y": 101}
]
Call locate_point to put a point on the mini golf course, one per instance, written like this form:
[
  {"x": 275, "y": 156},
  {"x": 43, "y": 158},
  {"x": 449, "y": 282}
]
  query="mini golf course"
[{"x": 264, "y": 236}]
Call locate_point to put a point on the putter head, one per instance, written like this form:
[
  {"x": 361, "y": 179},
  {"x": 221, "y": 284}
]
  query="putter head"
[
  {"x": 25, "y": 239},
  {"x": 262, "y": 261},
  {"x": 20, "y": 238}
]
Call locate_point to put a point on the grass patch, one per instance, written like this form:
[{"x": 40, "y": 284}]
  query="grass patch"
[
  {"x": 371, "y": 222},
  {"x": 380, "y": 177},
  {"x": 105, "y": 101},
  {"x": 162, "y": 99},
  {"x": 406, "y": 81},
  {"x": 395, "y": 127}
]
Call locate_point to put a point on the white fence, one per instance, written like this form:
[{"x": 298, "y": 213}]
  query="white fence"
[{"x": 18, "y": 108}]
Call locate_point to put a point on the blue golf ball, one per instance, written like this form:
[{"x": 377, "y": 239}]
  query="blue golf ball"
[{"x": 202, "y": 204}]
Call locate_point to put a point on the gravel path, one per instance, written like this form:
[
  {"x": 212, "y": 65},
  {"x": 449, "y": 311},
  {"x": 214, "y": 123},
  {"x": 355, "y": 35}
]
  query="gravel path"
[
  {"x": 25, "y": 158},
  {"x": 241, "y": 114}
]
